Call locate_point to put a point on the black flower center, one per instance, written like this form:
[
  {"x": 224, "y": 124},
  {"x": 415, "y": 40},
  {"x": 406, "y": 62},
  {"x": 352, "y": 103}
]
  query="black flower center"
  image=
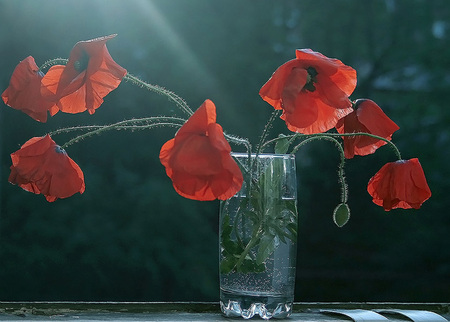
[
  {"x": 311, "y": 80},
  {"x": 81, "y": 64}
]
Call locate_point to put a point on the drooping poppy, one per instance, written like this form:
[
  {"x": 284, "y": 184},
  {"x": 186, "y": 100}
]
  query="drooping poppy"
[
  {"x": 24, "y": 91},
  {"x": 400, "y": 184},
  {"x": 43, "y": 167},
  {"x": 198, "y": 158},
  {"x": 312, "y": 90},
  {"x": 90, "y": 75},
  {"x": 367, "y": 117}
]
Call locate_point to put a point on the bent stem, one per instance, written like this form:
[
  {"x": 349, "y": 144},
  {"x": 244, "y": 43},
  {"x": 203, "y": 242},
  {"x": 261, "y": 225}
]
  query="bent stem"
[
  {"x": 151, "y": 122},
  {"x": 265, "y": 132},
  {"x": 181, "y": 104},
  {"x": 389, "y": 142},
  {"x": 246, "y": 170},
  {"x": 51, "y": 62},
  {"x": 341, "y": 172},
  {"x": 254, "y": 240},
  {"x": 292, "y": 138}
]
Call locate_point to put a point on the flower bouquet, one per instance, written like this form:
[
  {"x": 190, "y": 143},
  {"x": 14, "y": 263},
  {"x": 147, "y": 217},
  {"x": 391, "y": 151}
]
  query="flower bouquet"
[{"x": 258, "y": 220}]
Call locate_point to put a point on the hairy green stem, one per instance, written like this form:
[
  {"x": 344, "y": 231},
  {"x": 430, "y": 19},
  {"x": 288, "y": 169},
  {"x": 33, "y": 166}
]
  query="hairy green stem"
[
  {"x": 292, "y": 137},
  {"x": 136, "y": 81},
  {"x": 152, "y": 122},
  {"x": 389, "y": 142},
  {"x": 182, "y": 105},
  {"x": 239, "y": 141},
  {"x": 341, "y": 172},
  {"x": 266, "y": 129},
  {"x": 74, "y": 128},
  {"x": 51, "y": 62}
]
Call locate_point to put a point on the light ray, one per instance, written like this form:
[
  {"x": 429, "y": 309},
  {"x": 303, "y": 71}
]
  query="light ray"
[{"x": 177, "y": 44}]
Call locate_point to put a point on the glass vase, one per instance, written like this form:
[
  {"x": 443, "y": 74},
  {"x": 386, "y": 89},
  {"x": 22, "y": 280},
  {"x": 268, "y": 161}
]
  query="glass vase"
[{"x": 258, "y": 239}]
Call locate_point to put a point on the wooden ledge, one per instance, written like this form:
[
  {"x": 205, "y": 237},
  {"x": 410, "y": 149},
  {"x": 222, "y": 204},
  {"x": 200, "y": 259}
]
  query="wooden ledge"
[{"x": 186, "y": 311}]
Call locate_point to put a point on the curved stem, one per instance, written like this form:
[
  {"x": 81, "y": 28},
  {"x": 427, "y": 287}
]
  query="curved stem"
[
  {"x": 182, "y": 105},
  {"x": 239, "y": 141},
  {"x": 253, "y": 241},
  {"x": 244, "y": 168},
  {"x": 51, "y": 62},
  {"x": 341, "y": 172},
  {"x": 152, "y": 122},
  {"x": 291, "y": 137},
  {"x": 74, "y": 128},
  {"x": 389, "y": 142},
  {"x": 146, "y": 120},
  {"x": 265, "y": 132}
]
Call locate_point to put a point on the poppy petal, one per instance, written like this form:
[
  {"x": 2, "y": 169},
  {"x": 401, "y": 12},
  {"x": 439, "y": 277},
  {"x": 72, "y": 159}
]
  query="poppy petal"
[
  {"x": 312, "y": 90},
  {"x": 272, "y": 90},
  {"x": 366, "y": 118},
  {"x": 400, "y": 184},
  {"x": 42, "y": 167},
  {"x": 23, "y": 92},
  {"x": 90, "y": 75},
  {"x": 198, "y": 159},
  {"x": 313, "y": 116},
  {"x": 340, "y": 74},
  {"x": 374, "y": 119},
  {"x": 217, "y": 139}
]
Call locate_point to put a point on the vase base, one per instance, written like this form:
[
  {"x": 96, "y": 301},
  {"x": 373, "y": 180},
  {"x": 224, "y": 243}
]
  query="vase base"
[{"x": 248, "y": 306}]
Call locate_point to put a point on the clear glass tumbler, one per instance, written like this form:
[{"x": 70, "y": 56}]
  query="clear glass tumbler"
[{"x": 258, "y": 239}]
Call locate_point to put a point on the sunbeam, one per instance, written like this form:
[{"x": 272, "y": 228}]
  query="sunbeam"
[{"x": 178, "y": 45}]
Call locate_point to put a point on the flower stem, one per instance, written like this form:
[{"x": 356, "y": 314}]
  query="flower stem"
[
  {"x": 341, "y": 172},
  {"x": 51, "y": 62},
  {"x": 253, "y": 241},
  {"x": 144, "y": 123},
  {"x": 389, "y": 142},
  {"x": 266, "y": 129},
  {"x": 75, "y": 128},
  {"x": 238, "y": 140},
  {"x": 292, "y": 137},
  {"x": 182, "y": 105}
]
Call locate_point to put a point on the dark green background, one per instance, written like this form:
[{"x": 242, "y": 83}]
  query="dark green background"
[{"x": 130, "y": 237}]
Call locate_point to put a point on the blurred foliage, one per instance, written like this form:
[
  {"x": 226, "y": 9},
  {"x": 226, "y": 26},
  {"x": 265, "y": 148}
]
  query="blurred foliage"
[{"x": 130, "y": 237}]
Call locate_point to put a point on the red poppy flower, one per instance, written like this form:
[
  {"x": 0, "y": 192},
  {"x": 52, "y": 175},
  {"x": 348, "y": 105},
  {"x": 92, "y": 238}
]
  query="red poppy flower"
[
  {"x": 367, "y": 117},
  {"x": 312, "y": 90},
  {"x": 400, "y": 184},
  {"x": 24, "y": 91},
  {"x": 198, "y": 159},
  {"x": 90, "y": 75},
  {"x": 43, "y": 167}
]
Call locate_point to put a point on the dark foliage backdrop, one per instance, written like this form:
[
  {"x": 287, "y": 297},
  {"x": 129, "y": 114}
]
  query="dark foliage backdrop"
[{"x": 130, "y": 237}]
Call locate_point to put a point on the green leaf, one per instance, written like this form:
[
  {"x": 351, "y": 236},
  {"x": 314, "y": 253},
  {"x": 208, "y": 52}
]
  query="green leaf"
[
  {"x": 229, "y": 246},
  {"x": 266, "y": 247},
  {"x": 227, "y": 264},
  {"x": 250, "y": 266},
  {"x": 341, "y": 214},
  {"x": 282, "y": 145},
  {"x": 252, "y": 215},
  {"x": 226, "y": 226},
  {"x": 293, "y": 231},
  {"x": 280, "y": 232},
  {"x": 255, "y": 200}
]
